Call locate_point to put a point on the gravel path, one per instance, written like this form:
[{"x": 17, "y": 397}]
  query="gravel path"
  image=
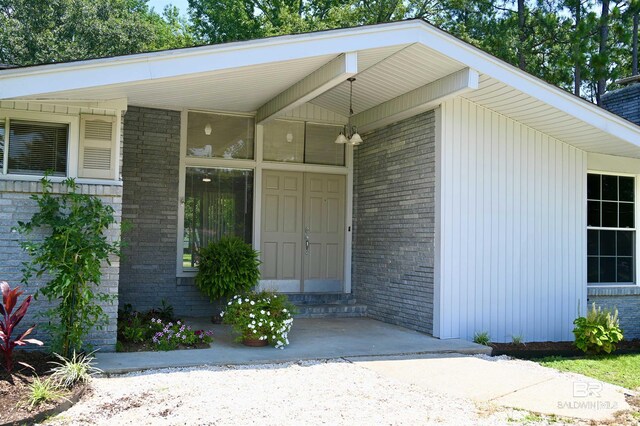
[{"x": 313, "y": 392}]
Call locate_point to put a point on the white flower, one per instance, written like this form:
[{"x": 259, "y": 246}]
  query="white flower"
[
  {"x": 252, "y": 302},
  {"x": 262, "y": 312},
  {"x": 251, "y": 316},
  {"x": 246, "y": 300},
  {"x": 284, "y": 310},
  {"x": 222, "y": 314}
]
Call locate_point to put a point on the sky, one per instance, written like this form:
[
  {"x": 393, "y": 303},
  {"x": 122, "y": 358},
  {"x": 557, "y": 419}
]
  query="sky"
[{"x": 159, "y": 5}]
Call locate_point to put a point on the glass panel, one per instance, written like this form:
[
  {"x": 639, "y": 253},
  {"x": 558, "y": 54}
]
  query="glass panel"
[
  {"x": 218, "y": 202},
  {"x": 609, "y": 187},
  {"x": 593, "y": 213},
  {"x": 624, "y": 269},
  {"x": 626, "y": 188},
  {"x": 284, "y": 141},
  {"x": 592, "y": 242},
  {"x": 624, "y": 243},
  {"x": 593, "y": 275},
  {"x": 607, "y": 243},
  {"x": 626, "y": 215},
  {"x": 593, "y": 187},
  {"x": 218, "y": 135},
  {"x": 35, "y": 148},
  {"x": 320, "y": 146},
  {"x": 609, "y": 214},
  {"x": 607, "y": 269}
]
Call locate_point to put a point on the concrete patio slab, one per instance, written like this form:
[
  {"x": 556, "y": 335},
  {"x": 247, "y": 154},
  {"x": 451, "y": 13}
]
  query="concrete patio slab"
[
  {"x": 310, "y": 339},
  {"x": 510, "y": 383}
]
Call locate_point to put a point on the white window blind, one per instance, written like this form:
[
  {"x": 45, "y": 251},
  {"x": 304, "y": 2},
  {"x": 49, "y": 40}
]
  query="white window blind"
[{"x": 35, "y": 148}]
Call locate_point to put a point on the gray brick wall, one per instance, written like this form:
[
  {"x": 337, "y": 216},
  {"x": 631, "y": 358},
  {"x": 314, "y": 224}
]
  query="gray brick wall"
[
  {"x": 625, "y": 102},
  {"x": 16, "y": 205},
  {"x": 393, "y": 240},
  {"x": 150, "y": 206},
  {"x": 626, "y": 300}
]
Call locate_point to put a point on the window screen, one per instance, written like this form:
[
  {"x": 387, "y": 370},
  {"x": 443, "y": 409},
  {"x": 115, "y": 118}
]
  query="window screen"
[
  {"x": 35, "y": 148},
  {"x": 320, "y": 146}
]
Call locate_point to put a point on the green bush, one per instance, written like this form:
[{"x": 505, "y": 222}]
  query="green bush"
[
  {"x": 71, "y": 254},
  {"x": 598, "y": 332},
  {"x": 482, "y": 338},
  {"x": 227, "y": 267}
]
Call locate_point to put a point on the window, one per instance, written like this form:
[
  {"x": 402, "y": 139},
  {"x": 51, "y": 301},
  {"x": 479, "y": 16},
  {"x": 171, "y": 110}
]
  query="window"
[
  {"x": 36, "y": 147},
  {"x": 218, "y": 202},
  {"x": 610, "y": 229},
  {"x": 219, "y": 135},
  {"x": 284, "y": 141},
  {"x": 300, "y": 142},
  {"x": 320, "y": 146}
]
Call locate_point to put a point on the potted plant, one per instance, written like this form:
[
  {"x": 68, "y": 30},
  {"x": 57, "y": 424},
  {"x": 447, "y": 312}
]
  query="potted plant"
[
  {"x": 227, "y": 267},
  {"x": 260, "y": 318}
]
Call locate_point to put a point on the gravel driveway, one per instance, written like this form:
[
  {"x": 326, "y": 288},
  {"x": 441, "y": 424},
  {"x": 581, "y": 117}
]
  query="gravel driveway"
[{"x": 312, "y": 392}]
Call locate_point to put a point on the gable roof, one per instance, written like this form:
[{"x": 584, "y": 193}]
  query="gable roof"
[{"x": 392, "y": 60}]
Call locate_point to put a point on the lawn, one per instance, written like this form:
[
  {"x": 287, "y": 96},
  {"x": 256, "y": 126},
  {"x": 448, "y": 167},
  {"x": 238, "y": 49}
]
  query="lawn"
[{"x": 622, "y": 370}]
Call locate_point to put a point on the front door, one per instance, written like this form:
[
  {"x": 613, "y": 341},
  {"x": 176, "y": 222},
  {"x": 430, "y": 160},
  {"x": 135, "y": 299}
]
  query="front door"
[{"x": 303, "y": 222}]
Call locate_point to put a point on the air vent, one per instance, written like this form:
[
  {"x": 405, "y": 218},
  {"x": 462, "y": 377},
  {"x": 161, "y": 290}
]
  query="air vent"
[
  {"x": 98, "y": 130},
  {"x": 97, "y": 158}
]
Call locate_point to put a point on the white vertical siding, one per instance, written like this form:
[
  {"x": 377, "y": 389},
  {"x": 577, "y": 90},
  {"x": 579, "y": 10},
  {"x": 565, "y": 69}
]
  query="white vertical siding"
[{"x": 512, "y": 249}]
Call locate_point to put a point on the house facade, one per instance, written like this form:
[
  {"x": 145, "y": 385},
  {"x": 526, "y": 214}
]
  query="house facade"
[{"x": 481, "y": 198}]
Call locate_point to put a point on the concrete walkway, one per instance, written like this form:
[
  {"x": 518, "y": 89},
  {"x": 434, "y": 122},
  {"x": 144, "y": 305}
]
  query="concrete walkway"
[
  {"x": 510, "y": 383},
  {"x": 310, "y": 339}
]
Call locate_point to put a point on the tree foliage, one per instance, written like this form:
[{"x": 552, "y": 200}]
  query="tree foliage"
[
  {"x": 70, "y": 255},
  {"x": 43, "y": 31}
]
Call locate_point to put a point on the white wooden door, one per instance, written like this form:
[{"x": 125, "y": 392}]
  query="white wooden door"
[
  {"x": 281, "y": 247},
  {"x": 302, "y": 243},
  {"x": 324, "y": 221}
]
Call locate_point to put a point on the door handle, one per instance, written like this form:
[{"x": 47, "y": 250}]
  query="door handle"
[{"x": 306, "y": 246}]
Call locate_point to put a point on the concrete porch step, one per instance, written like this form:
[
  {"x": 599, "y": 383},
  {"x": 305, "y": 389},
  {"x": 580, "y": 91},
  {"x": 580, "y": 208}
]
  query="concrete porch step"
[
  {"x": 301, "y": 299},
  {"x": 352, "y": 310}
]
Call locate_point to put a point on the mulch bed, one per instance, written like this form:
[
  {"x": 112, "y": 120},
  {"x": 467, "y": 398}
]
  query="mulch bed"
[
  {"x": 543, "y": 349},
  {"x": 14, "y": 390}
]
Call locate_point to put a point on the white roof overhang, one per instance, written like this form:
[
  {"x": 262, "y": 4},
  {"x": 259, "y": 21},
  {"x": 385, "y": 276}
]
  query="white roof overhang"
[{"x": 401, "y": 68}]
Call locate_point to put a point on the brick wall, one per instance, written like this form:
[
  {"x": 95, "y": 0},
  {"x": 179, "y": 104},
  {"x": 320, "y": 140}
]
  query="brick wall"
[
  {"x": 626, "y": 300},
  {"x": 150, "y": 206},
  {"x": 393, "y": 240},
  {"x": 16, "y": 205},
  {"x": 625, "y": 102}
]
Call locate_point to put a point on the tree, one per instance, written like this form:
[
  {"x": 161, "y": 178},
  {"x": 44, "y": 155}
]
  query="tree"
[{"x": 43, "y": 31}]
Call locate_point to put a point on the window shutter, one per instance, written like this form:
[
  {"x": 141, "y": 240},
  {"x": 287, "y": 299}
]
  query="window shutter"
[{"x": 97, "y": 147}]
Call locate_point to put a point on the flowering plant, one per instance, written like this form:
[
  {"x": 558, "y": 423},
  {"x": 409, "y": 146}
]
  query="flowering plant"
[
  {"x": 263, "y": 316},
  {"x": 168, "y": 336}
]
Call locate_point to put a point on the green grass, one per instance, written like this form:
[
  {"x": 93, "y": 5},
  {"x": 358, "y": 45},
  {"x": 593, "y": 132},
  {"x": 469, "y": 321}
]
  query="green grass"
[{"x": 621, "y": 370}]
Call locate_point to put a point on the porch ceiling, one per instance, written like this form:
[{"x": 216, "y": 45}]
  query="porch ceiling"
[{"x": 400, "y": 67}]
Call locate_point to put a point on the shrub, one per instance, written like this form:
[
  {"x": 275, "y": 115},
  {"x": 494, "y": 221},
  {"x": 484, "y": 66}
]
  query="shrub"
[
  {"x": 227, "y": 267},
  {"x": 263, "y": 316},
  {"x": 77, "y": 369},
  {"x": 72, "y": 255},
  {"x": 43, "y": 391},
  {"x": 169, "y": 336},
  {"x": 482, "y": 338},
  {"x": 10, "y": 321},
  {"x": 598, "y": 332},
  {"x": 517, "y": 339}
]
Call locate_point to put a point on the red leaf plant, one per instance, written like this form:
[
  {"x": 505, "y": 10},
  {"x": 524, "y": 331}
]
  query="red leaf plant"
[{"x": 10, "y": 321}]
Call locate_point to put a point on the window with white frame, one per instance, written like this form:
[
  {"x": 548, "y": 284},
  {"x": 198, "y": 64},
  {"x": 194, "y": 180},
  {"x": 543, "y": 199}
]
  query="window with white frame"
[
  {"x": 33, "y": 147},
  {"x": 218, "y": 182},
  {"x": 610, "y": 229}
]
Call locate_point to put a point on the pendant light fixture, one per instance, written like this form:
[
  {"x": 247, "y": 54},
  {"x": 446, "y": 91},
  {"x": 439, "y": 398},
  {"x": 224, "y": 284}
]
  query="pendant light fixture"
[{"x": 350, "y": 133}]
